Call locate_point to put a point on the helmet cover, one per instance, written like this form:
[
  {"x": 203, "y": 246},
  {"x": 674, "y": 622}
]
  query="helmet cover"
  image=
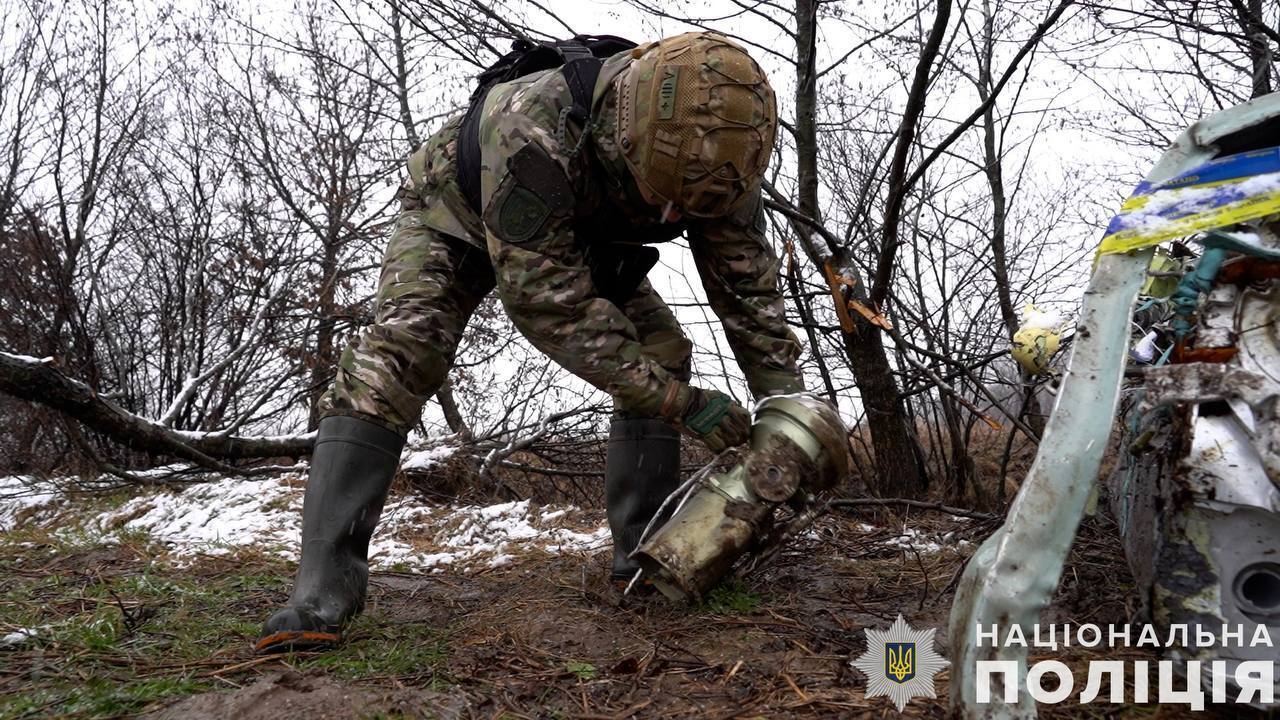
[{"x": 696, "y": 123}]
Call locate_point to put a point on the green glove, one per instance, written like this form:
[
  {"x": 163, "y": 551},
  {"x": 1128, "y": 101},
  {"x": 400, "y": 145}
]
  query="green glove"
[{"x": 709, "y": 415}]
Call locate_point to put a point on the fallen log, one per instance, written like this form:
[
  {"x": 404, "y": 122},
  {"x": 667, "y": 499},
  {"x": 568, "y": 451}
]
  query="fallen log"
[{"x": 40, "y": 381}]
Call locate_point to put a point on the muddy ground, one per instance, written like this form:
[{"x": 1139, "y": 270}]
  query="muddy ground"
[{"x": 544, "y": 637}]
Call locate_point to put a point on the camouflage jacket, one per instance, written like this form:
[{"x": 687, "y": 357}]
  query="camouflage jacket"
[{"x": 553, "y": 197}]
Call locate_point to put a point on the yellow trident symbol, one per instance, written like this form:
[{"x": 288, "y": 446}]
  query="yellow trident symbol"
[{"x": 901, "y": 662}]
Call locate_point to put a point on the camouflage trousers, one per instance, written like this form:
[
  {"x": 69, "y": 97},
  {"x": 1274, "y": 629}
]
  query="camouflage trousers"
[{"x": 430, "y": 285}]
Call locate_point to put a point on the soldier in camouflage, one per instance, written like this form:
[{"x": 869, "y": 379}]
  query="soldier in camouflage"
[{"x": 676, "y": 142}]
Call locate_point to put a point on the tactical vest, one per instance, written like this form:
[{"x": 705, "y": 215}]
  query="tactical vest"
[
  {"x": 579, "y": 60},
  {"x": 621, "y": 263}
]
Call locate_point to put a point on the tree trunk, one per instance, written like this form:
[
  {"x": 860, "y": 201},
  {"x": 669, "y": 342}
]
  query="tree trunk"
[
  {"x": 898, "y": 470},
  {"x": 1259, "y": 49},
  {"x": 810, "y": 329},
  {"x": 324, "y": 359},
  {"x": 993, "y": 167}
]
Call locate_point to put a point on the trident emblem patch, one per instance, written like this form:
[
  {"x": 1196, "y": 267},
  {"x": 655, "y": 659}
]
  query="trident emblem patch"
[{"x": 900, "y": 661}]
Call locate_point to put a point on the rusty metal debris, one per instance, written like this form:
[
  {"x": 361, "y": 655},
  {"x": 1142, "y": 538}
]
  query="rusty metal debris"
[{"x": 798, "y": 447}]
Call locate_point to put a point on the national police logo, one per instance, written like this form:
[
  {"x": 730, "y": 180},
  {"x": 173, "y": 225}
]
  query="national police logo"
[{"x": 900, "y": 663}]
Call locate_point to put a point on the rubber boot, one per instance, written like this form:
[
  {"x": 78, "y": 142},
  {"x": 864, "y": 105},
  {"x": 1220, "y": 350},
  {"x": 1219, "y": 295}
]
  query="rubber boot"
[
  {"x": 642, "y": 467},
  {"x": 351, "y": 470}
]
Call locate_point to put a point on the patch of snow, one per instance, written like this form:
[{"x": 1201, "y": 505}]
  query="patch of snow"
[
  {"x": 21, "y": 636},
  {"x": 922, "y": 541},
  {"x": 913, "y": 539},
  {"x": 495, "y": 530},
  {"x": 1035, "y": 318},
  {"x": 26, "y": 499},
  {"x": 28, "y": 359},
  {"x": 429, "y": 457},
  {"x": 217, "y": 517},
  {"x": 1165, "y": 206},
  {"x": 549, "y": 515},
  {"x": 198, "y": 435},
  {"x": 166, "y": 471},
  {"x": 228, "y": 514}
]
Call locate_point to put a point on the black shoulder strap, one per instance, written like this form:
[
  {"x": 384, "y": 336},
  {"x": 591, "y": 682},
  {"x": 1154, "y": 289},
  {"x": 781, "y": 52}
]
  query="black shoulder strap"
[
  {"x": 580, "y": 59},
  {"x": 469, "y": 152},
  {"x": 581, "y": 75},
  {"x": 584, "y": 56}
]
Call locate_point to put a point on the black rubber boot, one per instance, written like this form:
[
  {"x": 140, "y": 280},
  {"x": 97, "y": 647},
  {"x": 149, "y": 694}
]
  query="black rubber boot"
[
  {"x": 641, "y": 469},
  {"x": 351, "y": 469}
]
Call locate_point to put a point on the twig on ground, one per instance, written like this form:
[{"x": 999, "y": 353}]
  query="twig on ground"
[{"x": 918, "y": 504}]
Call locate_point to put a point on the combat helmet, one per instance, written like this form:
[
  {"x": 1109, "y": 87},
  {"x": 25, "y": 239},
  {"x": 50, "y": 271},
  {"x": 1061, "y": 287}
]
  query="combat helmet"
[{"x": 696, "y": 123}]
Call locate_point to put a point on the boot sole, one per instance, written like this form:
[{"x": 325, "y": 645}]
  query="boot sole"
[{"x": 287, "y": 640}]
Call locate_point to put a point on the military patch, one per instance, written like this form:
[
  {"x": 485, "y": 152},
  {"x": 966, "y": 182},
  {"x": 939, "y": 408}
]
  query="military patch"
[
  {"x": 667, "y": 92},
  {"x": 534, "y": 191},
  {"x": 522, "y": 214}
]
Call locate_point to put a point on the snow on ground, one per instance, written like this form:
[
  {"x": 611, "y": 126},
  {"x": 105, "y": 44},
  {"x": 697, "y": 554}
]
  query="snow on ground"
[
  {"x": 917, "y": 539},
  {"x": 19, "y": 637},
  {"x": 896, "y": 537},
  {"x": 924, "y": 541},
  {"x": 423, "y": 459},
  {"x": 230, "y": 514},
  {"x": 216, "y": 518},
  {"x": 23, "y": 498}
]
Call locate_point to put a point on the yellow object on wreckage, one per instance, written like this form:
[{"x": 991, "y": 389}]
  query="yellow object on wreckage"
[{"x": 1037, "y": 340}]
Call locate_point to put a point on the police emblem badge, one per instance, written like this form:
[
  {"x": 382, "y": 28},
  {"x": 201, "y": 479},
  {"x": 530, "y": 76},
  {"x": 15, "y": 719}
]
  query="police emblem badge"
[{"x": 900, "y": 663}]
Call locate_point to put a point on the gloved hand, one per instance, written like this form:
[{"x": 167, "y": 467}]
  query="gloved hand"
[{"x": 708, "y": 415}]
